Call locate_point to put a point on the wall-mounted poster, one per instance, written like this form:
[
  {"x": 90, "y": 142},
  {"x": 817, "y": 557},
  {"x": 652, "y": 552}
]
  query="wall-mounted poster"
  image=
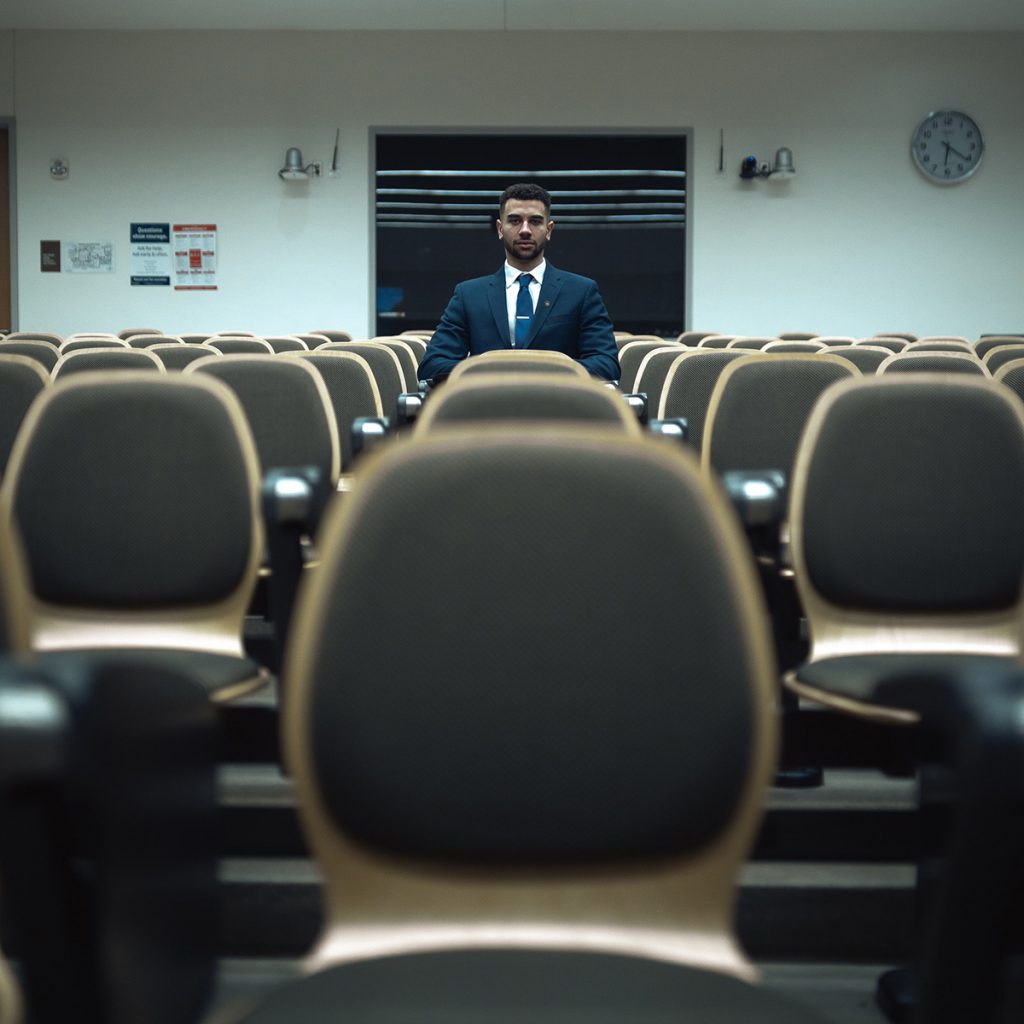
[
  {"x": 89, "y": 257},
  {"x": 195, "y": 257},
  {"x": 151, "y": 254},
  {"x": 49, "y": 256}
]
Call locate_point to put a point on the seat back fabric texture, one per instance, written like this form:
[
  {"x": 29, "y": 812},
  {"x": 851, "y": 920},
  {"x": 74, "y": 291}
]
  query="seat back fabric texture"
[
  {"x": 518, "y": 361},
  {"x": 288, "y": 409},
  {"x": 468, "y": 763},
  {"x": 689, "y": 385},
  {"x": 21, "y": 381},
  {"x": 759, "y": 408},
  {"x": 482, "y": 398},
  {"x": 907, "y": 500},
  {"x": 352, "y": 389},
  {"x": 135, "y": 496}
]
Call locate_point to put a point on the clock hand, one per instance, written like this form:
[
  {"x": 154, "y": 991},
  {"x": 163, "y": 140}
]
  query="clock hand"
[
  {"x": 957, "y": 151},
  {"x": 948, "y": 148}
]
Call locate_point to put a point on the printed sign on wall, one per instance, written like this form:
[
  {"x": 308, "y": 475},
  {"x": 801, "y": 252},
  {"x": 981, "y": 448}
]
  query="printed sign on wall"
[
  {"x": 195, "y": 257},
  {"x": 151, "y": 254},
  {"x": 49, "y": 256},
  {"x": 89, "y": 257}
]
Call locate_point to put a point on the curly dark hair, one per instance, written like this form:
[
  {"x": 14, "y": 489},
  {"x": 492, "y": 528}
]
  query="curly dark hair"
[{"x": 527, "y": 192}]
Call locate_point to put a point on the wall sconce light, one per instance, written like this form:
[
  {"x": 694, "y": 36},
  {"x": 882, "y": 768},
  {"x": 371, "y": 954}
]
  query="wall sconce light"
[
  {"x": 294, "y": 169},
  {"x": 781, "y": 170},
  {"x": 59, "y": 169}
]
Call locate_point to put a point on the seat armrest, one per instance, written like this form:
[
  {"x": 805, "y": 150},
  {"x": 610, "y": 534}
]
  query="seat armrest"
[
  {"x": 368, "y": 432},
  {"x": 293, "y": 501},
  {"x": 639, "y": 404},
  {"x": 409, "y": 406},
  {"x": 677, "y": 428},
  {"x": 759, "y": 497}
]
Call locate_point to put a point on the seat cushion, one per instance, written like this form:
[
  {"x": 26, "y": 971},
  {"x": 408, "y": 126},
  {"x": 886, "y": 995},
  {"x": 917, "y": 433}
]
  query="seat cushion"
[
  {"x": 519, "y": 986},
  {"x": 222, "y": 676},
  {"x": 856, "y": 676}
]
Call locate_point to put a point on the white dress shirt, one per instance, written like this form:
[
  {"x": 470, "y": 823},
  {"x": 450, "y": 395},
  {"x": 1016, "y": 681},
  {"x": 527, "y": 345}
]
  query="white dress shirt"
[{"x": 512, "y": 292}]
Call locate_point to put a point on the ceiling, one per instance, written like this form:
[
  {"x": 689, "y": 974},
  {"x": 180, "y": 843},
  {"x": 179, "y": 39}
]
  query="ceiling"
[{"x": 491, "y": 15}]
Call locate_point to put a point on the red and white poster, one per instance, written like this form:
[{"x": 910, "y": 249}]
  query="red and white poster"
[{"x": 195, "y": 257}]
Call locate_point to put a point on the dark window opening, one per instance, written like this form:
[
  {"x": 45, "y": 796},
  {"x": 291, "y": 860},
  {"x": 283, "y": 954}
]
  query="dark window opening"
[{"x": 619, "y": 203}]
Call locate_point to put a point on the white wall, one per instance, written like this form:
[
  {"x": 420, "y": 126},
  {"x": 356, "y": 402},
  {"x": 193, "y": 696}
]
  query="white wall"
[{"x": 170, "y": 126}]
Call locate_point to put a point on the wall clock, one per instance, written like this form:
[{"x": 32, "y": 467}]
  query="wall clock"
[{"x": 947, "y": 147}]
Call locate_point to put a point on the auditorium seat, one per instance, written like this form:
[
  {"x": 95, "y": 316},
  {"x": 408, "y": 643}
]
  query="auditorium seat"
[
  {"x": 894, "y": 344},
  {"x": 101, "y": 360},
  {"x": 287, "y": 407},
  {"x": 11, "y": 1005},
  {"x": 314, "y": 341},
  {"x": 834, "y": 340},
  {"x": 512, "y": 821},
  {"x": 749, "y": 343},
  {"x": 149, "y": 340},
  {"x": 89, "y": 336},
  {"x": 693, "y": 338},
  {"x": 653, "y": 372},
  {"x": 1002, "y": 354},
  {"x": 333, "y": 335},
  {"x": 386, "y": 367},
  {"x": 286, "y": 343},
  {"x": 759, "y": 408},
  {"x": 928, "y": 361},
  {"x": 938, "y": 344},
  {"x": 134, "y": 497},
  {"x": 903, "y": 335},
  {"x": 789, "y": 346},
  {"x": 796, "y": 335},
  {"x": 238, "y": 345},
  {"x": 867, "y": 358},
  {"x": 523, "y": 397},
  {"x": 44, "y": 336},
  {"x": 985, "y": 344},
  {"x": 41, "y": 352},
  {"x": 76, "y": 344},
  {"x": 716, "y": 341},
  {"x": 417, "y": 344},
  {"x": 632, "y": 355},
  {"x": 132, "y": 332},
  {"x": 1011, "y": 375},
  {"x": 406, "y": 356},
  {"x": 518, "y": 361},
  {"x": 352, "y": 390},
  {"x": 689, "y": 385},
  {"x": 177, "y": 357},
  {"x": 906, "y": 505},
  {"x": 935, "y": 339},
  {"x": 21, "y": 382}
]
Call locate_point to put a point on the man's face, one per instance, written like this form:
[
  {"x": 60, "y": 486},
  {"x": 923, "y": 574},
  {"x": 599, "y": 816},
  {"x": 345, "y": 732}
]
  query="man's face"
[{"x": 524, "y": 229}]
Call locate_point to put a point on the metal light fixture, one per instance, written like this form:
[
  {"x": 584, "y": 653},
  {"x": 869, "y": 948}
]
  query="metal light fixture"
[
  {"x": 781, "y": 170},
  {"x": 293, "y": 169},
  {"x": 783, "y": 166},
  {"x": 59, "y": 169}
]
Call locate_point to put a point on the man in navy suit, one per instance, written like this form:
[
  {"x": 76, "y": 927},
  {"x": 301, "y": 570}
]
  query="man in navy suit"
[{"x": 548, "y": 309}]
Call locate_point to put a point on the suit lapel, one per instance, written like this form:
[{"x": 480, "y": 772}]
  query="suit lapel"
[
  {"x": 499, "y": 308},
  {"x": 548, "y": 292}
]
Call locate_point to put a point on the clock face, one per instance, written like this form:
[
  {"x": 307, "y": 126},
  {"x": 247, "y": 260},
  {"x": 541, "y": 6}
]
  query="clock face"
[{"x": 947, "y": 147}]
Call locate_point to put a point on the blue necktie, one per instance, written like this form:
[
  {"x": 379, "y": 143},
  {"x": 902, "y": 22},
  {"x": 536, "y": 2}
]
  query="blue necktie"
[{"x": 524, "y": 309}]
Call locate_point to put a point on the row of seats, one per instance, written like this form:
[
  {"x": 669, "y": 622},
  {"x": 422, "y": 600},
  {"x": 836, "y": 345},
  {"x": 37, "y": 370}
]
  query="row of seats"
[
  {"x": 507, "y": 812},
  {"x": 425, "y": 782},
  {"x": 358, "y": 379},
  {"x": 646, "y": 365}
]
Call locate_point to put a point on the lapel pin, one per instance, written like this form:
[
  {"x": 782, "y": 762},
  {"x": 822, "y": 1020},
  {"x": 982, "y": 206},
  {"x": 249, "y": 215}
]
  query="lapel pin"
[{"x": 547, "y": 302}]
